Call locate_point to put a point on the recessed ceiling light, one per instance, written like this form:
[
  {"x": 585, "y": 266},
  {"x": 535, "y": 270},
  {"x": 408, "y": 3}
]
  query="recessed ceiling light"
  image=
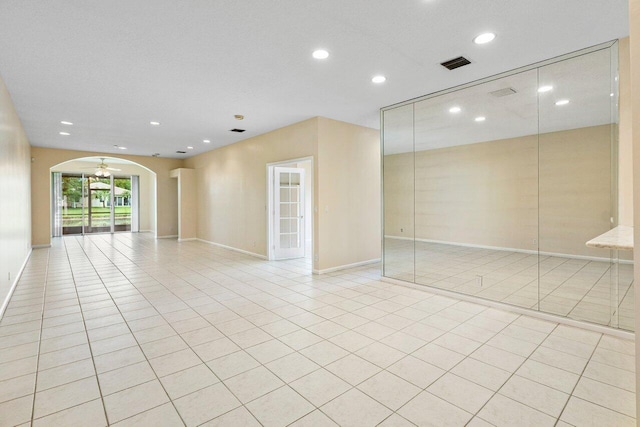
[
  {"x": 206, "y": 141},
  {"x": 455, "y": 110},
  {"x": 65, "y": 133},
  {"x": 320, "y": 54},
  {"x": 543, "y": 89},
  {"x": 480, "y": 119},
  {"x": 484, "y": 38},
  {"x": 562, "y": 102},
  {"x": 66, "y": 123},
  {"x": 154, "y": 123},
  {"x": 190, "y": 147},
  {"x": 379, "y": 79}
]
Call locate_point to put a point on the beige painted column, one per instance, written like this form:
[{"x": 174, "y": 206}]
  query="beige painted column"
[
  {"x": 634, "y": 40},
  {"x": 186, "y": 203}
]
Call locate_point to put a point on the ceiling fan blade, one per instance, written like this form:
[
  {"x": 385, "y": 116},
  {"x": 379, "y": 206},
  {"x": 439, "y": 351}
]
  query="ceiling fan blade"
[{"x": 113, "y": 169}]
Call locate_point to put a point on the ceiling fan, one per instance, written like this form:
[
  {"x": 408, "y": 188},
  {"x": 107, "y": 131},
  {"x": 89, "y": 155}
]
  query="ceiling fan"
[{"x": 102, "y": 169}]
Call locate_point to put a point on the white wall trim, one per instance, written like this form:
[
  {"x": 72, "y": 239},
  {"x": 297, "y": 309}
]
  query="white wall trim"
[
  {"x": 515, "y": 309},
  {"x": 190, "y": 239},
  {"x": 498, "y": 248},
  {"x": 47, "y": 245},
  {"x": 171, "y": 236},
  {"x": 346, "y": 266},
  {"x": 16, "y": 279},
  {"x": 242, "y": 251}
]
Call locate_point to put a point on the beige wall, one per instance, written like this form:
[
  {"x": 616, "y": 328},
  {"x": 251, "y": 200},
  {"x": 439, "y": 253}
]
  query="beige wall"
[
  {"x": 348, "y": 201},
  {"x": 187, "y": 203},
  {"x": 625, "y": 152},
  {"x": 634, "y": 24},
  {"x": 147, "y": 182},
  {"x": 46, "y": 158},
  {"x": 15, "y": 202},
  {"x": 232, "y": 190},
  {"x": 488, "y": 194},
  {"x": 232, "y": 185}
]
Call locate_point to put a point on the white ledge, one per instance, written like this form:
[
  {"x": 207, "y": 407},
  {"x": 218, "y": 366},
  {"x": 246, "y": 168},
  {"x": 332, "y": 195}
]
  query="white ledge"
[{"x": 620, "y": 237}]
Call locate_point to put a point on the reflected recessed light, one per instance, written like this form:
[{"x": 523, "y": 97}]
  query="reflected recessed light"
[
  {"x": 320, "y": 54},
  {"x": 66, "y": 123},
  {"x": 480, "y": 119},
  {"x": 455, "y": 109},
  {"x": 154, "y": 123},
  {"x": 611, "y": 94},
  {"x": 562, "y": 102},
  {"x": 206, "y": 141},
  {"x": 190, "y": 147},
  {"x": 484, "y": 38},
  {"x": 65, "y": 133},
  {"x": 543, "y": 89},
  {"x": 122, "y": 148},
  {"x": 379, "y": 79}
]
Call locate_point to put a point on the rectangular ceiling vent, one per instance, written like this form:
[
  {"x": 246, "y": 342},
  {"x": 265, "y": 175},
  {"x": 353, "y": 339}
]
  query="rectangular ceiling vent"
[
  {"x": 181, "y": 152},
  {"x": 237, "y": 130},
  {"x": 503, "y": 92},
  {"x": 454, "y": 63}
]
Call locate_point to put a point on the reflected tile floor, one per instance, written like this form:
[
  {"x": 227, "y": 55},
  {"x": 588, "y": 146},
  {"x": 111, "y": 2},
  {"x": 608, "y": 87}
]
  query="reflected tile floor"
[
  {"x": 575, "y": 288},
  {"x": 129, "y": 330}
]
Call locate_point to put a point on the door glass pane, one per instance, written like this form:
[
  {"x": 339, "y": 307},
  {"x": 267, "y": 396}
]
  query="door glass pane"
[
  {"x": 284, "y": 241},
  {"x": 99, "y": 201},
  {"x": 284, "y": 194},
  {"x": 122, "y": 203},
  {"x": 284, "y": 226},
  {"x": 72, "y": 203},
  {"x": 284, "y": 178},
  {"x": 398, "y": 192}
]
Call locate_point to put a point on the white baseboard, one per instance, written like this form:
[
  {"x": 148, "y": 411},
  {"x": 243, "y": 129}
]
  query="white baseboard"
[
  {"x": 5, "y": 303},
  {"x": 515, "y": 309},
  {"x": 346, "y": 266},
  {"x": 190, "y": 239},
  {"x": 171, "y": 236},
  {"x": 498, "y": 248},
  {"x": 41, "y": 246},
  {"x": 231, "y": 248}
]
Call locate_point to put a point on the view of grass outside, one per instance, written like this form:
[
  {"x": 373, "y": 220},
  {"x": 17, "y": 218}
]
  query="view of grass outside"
[
  {"x": 100, "y": 217},
  {"x": 72, "y": 190}
]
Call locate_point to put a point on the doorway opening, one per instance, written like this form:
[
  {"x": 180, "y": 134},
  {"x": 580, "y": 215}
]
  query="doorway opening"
[{"x": 290, "y": 210}]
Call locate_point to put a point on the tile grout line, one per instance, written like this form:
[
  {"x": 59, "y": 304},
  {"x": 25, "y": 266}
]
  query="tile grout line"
[
  {"x": 44, "y": 301},
  {"x": 124, "y": 320}
]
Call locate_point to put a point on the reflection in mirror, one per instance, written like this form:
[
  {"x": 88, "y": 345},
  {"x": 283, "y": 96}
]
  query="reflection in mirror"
[
  {"x": 476, "y": 190},
  {"x": 493, "y": 190},
  {"x": 578, "y": 200},
  {"x": 398, "y": 193}
]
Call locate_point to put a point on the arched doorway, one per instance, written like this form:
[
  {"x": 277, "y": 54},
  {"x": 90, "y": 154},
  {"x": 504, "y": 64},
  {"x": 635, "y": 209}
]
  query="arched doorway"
[{"x": 102, "y": 195}]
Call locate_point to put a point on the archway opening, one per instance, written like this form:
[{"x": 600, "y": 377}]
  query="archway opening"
[{"x": 102, "y": 195}]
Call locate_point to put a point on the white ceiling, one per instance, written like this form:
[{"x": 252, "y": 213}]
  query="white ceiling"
[{"x": 110, "y": 67}]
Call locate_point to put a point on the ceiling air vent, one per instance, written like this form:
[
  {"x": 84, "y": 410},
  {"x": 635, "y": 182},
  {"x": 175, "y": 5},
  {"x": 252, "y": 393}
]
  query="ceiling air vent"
[
  {"x": 237, "y": 130},
  {"x": 181, "y": 152},
  {"x": 454, "y": 63},
  {"x": 503, "y": 92}
]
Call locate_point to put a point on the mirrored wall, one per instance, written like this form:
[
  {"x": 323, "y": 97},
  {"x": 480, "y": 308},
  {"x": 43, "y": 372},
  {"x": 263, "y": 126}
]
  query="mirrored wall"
[{"x": 493, "y": 189}]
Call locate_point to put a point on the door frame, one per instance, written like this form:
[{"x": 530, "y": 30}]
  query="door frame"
[{"x": 270, "y": 208}]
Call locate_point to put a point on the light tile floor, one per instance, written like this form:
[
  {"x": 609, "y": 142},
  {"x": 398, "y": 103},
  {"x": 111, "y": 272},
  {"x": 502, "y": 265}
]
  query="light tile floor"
[
  {"x": 128, "y": 330},
  {"x": 575, "y": 288}
]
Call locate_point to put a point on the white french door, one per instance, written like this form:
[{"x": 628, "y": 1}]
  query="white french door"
[{"x": 289, "y": 240}]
